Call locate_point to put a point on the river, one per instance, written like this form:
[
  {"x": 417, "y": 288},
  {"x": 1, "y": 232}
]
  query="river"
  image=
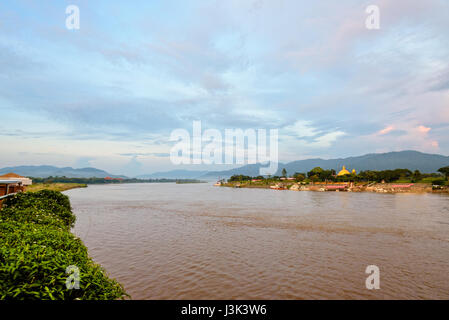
[{"x": 197, "y": 241}]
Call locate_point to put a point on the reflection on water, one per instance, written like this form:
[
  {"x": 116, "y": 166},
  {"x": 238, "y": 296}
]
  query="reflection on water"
[{"x": 196, "y": 241}]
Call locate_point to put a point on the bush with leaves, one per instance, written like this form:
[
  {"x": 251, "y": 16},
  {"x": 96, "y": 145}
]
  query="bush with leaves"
[
  {"x": 43, "y": 207},
  {"x": 439, "y": 182},
  {"x": 36, "y": 247}
]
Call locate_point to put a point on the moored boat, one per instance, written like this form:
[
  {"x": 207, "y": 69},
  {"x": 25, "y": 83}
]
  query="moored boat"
[{"x": 278, "y": 187}]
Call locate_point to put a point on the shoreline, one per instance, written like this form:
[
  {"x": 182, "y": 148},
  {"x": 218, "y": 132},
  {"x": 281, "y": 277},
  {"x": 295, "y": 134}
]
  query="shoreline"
[
  {"x": 344, "y": 187},
  {"x": 57, "y": 186}
]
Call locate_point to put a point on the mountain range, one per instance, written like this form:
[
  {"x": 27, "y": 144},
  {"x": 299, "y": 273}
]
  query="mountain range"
[
  {"x": 412, "y": 160},
  {"x": 47, "y": 171}
]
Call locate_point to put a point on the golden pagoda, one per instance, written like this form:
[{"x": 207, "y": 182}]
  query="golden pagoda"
[{"x": 343, "y": 172}]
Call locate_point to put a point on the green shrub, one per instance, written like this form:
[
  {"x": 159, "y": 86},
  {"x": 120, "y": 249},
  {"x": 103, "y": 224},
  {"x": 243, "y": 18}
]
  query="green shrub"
[
  {"x": 46, "y": 207},
  {"x": 36, "y": 247},
  {"x": 439, "y": 182}
]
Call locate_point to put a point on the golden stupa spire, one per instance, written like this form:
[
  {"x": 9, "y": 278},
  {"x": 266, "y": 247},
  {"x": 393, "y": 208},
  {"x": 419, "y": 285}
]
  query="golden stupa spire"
[{"x": 343, "y": 172}]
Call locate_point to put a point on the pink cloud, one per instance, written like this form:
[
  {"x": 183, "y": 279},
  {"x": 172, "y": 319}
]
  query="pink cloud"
[
  {"x": 386, "y": 130},
  {"x": 423, "y": 129}
]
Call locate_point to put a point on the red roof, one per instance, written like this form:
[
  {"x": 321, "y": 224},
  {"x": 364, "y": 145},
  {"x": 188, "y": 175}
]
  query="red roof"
[
  {"x": 11, "y": 175},
  {"x": 109, "y": 178}
]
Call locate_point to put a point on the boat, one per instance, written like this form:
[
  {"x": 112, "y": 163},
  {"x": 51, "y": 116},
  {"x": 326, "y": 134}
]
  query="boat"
[
  {"x": 219, "y": 183},
  {"x": 336, "y": 187},
  {"x": 278, "y": 187}
]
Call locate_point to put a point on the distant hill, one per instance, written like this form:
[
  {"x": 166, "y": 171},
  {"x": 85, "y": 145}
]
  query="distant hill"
[
  {"x": 47, "y": 171},
  {"x": 174, "y": 174},
  {"x": 248, "y": 170},
  {"x": 413, "y": 160}
]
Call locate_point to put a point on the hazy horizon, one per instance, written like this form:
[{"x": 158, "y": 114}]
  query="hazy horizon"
[{"x": 208, "y": 168}]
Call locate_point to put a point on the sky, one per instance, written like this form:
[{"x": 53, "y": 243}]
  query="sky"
[{"x": 109, "y": 94}]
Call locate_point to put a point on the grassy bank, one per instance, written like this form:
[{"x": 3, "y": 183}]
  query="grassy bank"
[
  {"x": 37, "y": 247},
  {"x": 54, "y": 186}
]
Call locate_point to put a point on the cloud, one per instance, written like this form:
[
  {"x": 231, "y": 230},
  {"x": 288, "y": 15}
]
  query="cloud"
[
  {"x": 386, "y": 130},
  {"x": 327, "y": 139},
  {"x": 131, "y": 75},
  {"x": 84, "y": 162},
  {"x": 301, "y": 129},
  {"x": 423, "y": 129},
  {"x": 132, "y": 168},
  {"x": 391, "y": 132}
]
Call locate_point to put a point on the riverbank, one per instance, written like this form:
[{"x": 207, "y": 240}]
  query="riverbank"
[
  {"x": 40, "y": 257},
  {"x": 343, "y": 187},
  {"x": 54, "y": 186}
]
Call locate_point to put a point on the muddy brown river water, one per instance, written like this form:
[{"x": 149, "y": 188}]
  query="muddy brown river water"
[{"x": 197, "y": 241}]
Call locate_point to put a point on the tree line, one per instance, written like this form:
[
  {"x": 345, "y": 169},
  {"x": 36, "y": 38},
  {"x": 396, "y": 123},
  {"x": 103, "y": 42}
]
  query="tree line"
[{"x": 319, "y": 174}]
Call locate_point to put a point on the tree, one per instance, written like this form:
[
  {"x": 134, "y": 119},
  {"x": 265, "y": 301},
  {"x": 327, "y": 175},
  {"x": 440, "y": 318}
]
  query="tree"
[
  {"x": 326, "y": 174},
  {"x": 314, "y": 171},
  {"x": 240, "y": 177},
  {"x": 416, "y": 176},
  {"x": 438, "y": 182},
  {"x": 299, "y": 176},
  {"x": 445, "y": 171},
  {"x": 284, "y": 172}
]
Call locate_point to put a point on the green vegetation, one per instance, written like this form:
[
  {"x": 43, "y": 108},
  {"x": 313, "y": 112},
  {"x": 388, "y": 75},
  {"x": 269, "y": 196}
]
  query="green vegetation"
[
  {"x": 189, "y": 181},
  {"x": 54, "y": 186},
  {"x": 445, "y": 171},
  {"x": 439, "y": 182},
  {"x": 239, "y": 178},
  {"x": 36, "y": 247},
  {"x": 299, "y": 176},
  {"x": 284, "y": 172},
  {"x": 320, "y": 175}
]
